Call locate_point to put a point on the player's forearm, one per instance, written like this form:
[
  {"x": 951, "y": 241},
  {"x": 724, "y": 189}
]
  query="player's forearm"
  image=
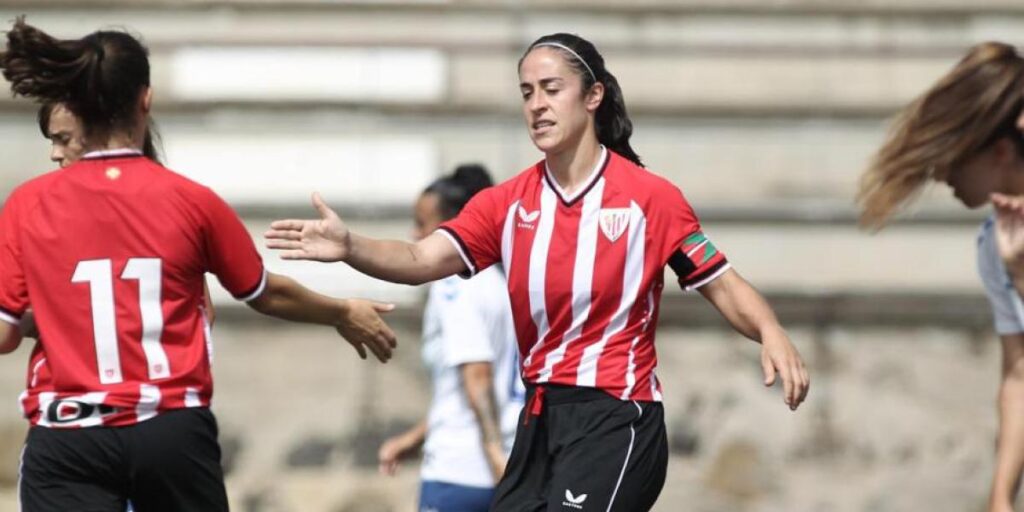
[
  {"x": 742, "y": 306},
  {"x": 1010, "y": 452},
  {"x": 287, "y": 299},
  {"x": 10, "y": 337},
  {"x": 477, "y": 381},
  {"x": 416, "y": 435},
  {"x": 392, "y": 260}
]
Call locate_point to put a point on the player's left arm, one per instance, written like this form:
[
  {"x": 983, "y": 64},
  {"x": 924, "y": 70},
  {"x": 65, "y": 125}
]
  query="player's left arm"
[
  {"x": 1010, "y": 444},
  {"x": 10, "y": 337},
  {"x": 478, "y": 385},
  {"x": 749, "y": 313}
]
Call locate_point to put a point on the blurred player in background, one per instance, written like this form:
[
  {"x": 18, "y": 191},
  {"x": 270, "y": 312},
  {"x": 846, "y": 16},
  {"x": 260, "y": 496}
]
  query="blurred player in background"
[
  {"x": 469, "y": 346},
  {"x": 965, "y": 131},
  {"x": 584, "y": 237},
  {"x": 110, "y": 253}
]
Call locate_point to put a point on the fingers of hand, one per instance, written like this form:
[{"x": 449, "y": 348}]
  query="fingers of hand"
[
  {"x": 769, "y": 371},
  {"x": 383, "y": 307},
  {"x": 283, "y": 234},
  {"x": 321, "y": 207},
  {"x": 359, "y": 348},
  {"x": 286, "y": 245},
  {"x": 288, "y": 225}
]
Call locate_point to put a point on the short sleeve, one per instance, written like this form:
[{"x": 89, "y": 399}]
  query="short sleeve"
[
  {"x": 1002, "y": 296},
  {"x": 464, "y": 324},
  {"x": 476, "y": 231},
  {"x": 230, "y": 252},
  {"x": 13, "y": 287},
  {"x": 687, "y": 250}
]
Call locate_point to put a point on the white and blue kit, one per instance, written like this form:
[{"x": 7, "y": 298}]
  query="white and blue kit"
[
  {"x": 1007, "y": 307},
  {"x": 466, "y": 321}
]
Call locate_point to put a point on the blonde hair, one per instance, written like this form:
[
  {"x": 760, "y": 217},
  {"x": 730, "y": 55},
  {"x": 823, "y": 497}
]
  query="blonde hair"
[{"x": 972, "y": 106}]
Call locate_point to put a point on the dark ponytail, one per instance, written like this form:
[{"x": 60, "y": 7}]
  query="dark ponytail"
[
  {"x": 99, "y": 77},
  {"x": 614, "y": 128},
  {"x": 455, "y": 190}
]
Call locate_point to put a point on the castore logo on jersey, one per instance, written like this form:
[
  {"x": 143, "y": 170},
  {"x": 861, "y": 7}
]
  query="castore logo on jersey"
[{"x": 527, "y": 219}]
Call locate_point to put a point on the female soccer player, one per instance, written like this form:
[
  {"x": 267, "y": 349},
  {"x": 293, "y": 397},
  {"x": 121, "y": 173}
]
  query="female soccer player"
[
  {"x": 584, "y": 237},
  {"x": 469, "y": 345},
  {"x": 964, "y": 132},
  {"x": 110, "y": 253}
]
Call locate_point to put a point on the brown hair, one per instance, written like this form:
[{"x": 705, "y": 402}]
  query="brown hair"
[
  {"x": 967, "y": 110},
  {"x": 149, "y": 144},
  {"x": 100, "y": 77}
]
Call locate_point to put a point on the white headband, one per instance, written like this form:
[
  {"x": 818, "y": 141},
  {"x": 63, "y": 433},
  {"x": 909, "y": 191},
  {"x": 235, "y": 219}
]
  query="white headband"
[{"x": 574, "y": 54}]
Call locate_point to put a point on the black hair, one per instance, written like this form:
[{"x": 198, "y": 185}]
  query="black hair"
[
  {"x": 149, "y": 144},
  {"x": 99, "y": 77},
  {"x": 614, "y": 128},
  {"x": 455, "y": 190}
]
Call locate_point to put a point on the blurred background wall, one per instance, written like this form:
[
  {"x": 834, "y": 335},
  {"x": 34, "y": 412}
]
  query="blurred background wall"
[{"x": 762, "y": 112}]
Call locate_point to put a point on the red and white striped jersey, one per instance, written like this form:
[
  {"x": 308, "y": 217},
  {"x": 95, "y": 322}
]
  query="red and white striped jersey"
[
  {"x": 585, "y": 272},
  {"x": 110, "y": 253}
]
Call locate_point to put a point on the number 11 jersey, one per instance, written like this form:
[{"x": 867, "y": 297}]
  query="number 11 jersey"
[{"x": 110, "y": 254}]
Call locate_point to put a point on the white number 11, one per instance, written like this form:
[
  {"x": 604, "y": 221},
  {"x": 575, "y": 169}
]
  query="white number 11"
[{"x": 100, "y": 276}]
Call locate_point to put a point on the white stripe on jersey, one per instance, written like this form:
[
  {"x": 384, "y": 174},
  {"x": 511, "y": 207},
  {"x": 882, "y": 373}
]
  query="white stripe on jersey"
[
  {"x": 192, "y": 398},
  {"x": 462, "y": 254},
  {"x": 259, "y": 289},
  {"x": 654, "y": 385},
  {"x": 506, "y": 236},
  {"x": 207, "y": 333},
  {"x": 35, "y": 371},
  {"x": 538, "y": 268},
  {"x": 586, "y": 374},
  {"x": 582, "y": 276},
  {"x": 149, "y": 402},
  {"x": 631, "y": 365},
  {"x": 10, "y": 319},
  {"x": 708, "y": 279}
]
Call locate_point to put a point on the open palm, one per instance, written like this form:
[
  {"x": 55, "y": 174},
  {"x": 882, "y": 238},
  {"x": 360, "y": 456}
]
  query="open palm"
[{"x": 323, "y": 239}]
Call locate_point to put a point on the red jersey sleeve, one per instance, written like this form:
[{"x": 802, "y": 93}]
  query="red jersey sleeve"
[
  {"x": 230, "y": 252},
  {"x": 695, "y": 260},
  {"x": 13, "y": 288},
  {"x": 476, "y": 231}
]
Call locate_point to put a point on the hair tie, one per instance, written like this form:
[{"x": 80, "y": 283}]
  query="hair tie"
[{"x": 571, "y": 51}]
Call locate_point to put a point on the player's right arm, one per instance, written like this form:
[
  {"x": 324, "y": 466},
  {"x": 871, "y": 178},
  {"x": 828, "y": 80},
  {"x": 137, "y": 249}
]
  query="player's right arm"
[
  {"x": 1010, "y": 448},
  {"x": 357, "y": 320},
  {"x": 13, "y": 288},
  {"x": 10, "y": 337},
  {"x": 231, "y": 256},
  {"x": 329, "y": 239}
]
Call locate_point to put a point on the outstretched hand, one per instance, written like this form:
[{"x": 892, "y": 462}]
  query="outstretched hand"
[
  {"x": 364, "y": 329},
  {"x": 1009, "y": 231},
  {"x": 323, "y": 239},
  {"x": 779, "y": 356}
]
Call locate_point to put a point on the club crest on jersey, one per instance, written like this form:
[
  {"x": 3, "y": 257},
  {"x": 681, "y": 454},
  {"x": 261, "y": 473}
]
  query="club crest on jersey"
[
  {"x": 613, "y": 222},
  {"x": 527, "y": 219}
]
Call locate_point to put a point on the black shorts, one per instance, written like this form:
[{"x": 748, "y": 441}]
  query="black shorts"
[
  {"x": 580, "y": 449},
  {"x": 168, "y": 463}
]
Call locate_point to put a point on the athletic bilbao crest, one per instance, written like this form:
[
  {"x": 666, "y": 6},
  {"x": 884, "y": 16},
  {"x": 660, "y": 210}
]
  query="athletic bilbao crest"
[{"x": 614, "y": 222}]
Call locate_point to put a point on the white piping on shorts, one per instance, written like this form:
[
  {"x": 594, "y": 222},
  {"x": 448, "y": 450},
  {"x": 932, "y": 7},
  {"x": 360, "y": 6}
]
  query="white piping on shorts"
[
  {"x": 21, "y": 465},
  {"x": 629, "y": 451}
]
